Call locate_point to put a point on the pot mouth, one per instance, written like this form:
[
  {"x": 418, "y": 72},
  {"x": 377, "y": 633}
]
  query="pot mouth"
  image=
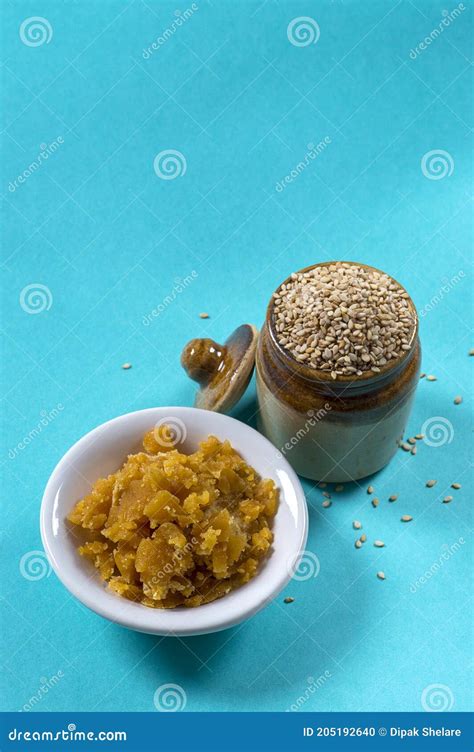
[{"x": 369, "y": 377}]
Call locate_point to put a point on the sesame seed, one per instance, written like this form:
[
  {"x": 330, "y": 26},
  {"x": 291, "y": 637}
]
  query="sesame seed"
[
  {"x": 457, "y": 400},
  {"x": 457, "y": 486},
  {"x": 363, "y": 538},
  {"x": 126, "y": 366},
  {"x": 431, "y": 378},
  {"x": 406, "y": 447},
  {"x": 381, "y": 575},
  {"x": 406, "y": 518},
  {"x": 357, "y": 319},
  {"x": 288, "y": 600},
  {"x": 203, "y": 315},
  {"x": 358, "y": 544},
  {"x": 379, "y": 544},
  {"x": 393, "y": 497},
  {"x": 370, "y": 490},
  {"x": 447, "y": 499},
  {"x": 420, "y": 436},
  {"x": 356, "y": 525},
  {"x": 339, "y": 488},
  {"x": 431, "y": 483},
  {"x": 375, "y": 502},
  {"x": 327, "y": 503}
]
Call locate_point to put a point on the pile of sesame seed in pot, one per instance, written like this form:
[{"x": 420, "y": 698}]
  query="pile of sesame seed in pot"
[{"x": 343, "y": 318}]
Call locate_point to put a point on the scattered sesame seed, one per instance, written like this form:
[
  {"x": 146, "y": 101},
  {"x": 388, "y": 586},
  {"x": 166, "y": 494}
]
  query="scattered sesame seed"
[
  {"x": 457, "y": 486},
  {"x": 431, "y": 483},
  {"x": 458, "y": 400},
  {"x": 381, "y": 575},
  {"x": 422, "y": 375},
  {"x": 375, "y": 502},
  {"x": 327, "y": 503},
  {"x": 203, "y": 315},
  {"x": 431, "y": 378},
  {"x": 471, "y": 352},
  {"x": 288, "y": 600},
  {"x": 379, "y": 544},
  {"x": 370, "y": 490},
  {"x": 447, "y": 499},
  {"x": 356, "y": 525},
  {"x": 326, "y": 495},
  {"x": 126, "y": 366},
  {"x": 413, "y": 450},
  {"x": 358, "y": 544},
  {"x": 363, "y": 538},
  {"x": 411, "y": 440},
  {"x": 393, "y": 497},
  {"x": 322, "y": 485},
  {"x": 406, "y": 518},
  {"x": 420, "y": 436},
  {"x": 405, "y": 447},
  {"x": 339, "y": 488}
]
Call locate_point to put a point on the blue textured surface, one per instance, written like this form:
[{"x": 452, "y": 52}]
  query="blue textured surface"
[{"x": 109, "y": 239}]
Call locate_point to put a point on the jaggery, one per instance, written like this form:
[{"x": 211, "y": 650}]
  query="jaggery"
[{"x": 171, "y": 529}]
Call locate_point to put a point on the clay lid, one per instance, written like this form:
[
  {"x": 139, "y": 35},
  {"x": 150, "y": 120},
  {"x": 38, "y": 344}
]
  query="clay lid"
[{"x": 222, "y": 371}]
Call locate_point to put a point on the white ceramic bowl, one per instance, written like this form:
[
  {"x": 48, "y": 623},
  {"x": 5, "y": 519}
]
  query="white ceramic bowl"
[{"x": 102, "y": 451}]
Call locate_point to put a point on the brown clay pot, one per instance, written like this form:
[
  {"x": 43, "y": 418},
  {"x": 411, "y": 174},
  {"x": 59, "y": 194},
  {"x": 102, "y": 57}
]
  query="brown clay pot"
[{"x": 329, "y": 430}]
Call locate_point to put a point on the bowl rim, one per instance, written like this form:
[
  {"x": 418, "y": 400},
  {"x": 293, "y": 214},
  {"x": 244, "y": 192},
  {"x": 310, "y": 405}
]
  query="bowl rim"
[{"x": 135, "y": 616}]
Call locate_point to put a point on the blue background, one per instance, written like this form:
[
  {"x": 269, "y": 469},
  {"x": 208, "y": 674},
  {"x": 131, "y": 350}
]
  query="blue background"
[{"x": 109, "y": 239}]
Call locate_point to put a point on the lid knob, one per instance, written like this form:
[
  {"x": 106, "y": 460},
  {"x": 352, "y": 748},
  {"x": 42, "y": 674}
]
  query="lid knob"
[
  {"x": 202, "y": 359},
  {"x": 222, "y": 371}
]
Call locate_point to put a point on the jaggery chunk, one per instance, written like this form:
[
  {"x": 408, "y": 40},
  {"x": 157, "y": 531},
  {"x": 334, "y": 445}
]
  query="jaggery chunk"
[
  {"x": 170, "y": 529},
  {"x": 92, "y": 511}
]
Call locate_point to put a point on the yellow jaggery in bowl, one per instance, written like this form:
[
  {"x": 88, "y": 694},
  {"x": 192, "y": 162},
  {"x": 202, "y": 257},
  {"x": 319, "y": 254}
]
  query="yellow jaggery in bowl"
[
  {"x": 171, "y": 529},
  {"x": 99, "y": 454}
]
